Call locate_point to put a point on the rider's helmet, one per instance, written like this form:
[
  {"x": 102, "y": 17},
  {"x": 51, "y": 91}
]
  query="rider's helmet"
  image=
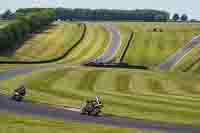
[{"x": 22, "y": 87}]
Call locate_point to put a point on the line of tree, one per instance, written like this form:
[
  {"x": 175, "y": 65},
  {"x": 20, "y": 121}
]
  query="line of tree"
[
  {"x": 16, "y": 31},
  {"x": 106, "y": 14}
]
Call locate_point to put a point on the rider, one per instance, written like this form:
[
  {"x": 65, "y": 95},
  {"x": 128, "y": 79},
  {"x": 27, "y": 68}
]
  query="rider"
[
  {"x": 21, "y": 90},
  {"x": 95, "y": 101}
]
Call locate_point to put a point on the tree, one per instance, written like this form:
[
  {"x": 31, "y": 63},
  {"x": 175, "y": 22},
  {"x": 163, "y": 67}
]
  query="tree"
[
  {"x": 184, "y": 17},
  {"x": 103, "y": 14},
  {"x": 16, "y": 31},
  {"x": 7, "y": 15},
  {"x": 175, "y": 17}
]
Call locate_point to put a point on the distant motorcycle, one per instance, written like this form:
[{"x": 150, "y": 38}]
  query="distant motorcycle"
[
  {"x": 92, "y": 107},
  {"x": 19, "y": 94}
]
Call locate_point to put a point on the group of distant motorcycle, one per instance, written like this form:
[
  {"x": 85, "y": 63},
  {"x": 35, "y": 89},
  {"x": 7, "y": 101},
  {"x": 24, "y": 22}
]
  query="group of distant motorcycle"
[{"x": 91, "y": 107}]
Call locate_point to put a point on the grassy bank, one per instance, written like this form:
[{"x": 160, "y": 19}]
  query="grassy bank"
[
  {"x": 57, "y": 40},
  {"x": 4, "y": 23},
  {"x": 95, "y": 42},
  {"x": 51, "y": 43},
  {"x": 151, "y": 48},
  {"x": 195, "y": 68}
]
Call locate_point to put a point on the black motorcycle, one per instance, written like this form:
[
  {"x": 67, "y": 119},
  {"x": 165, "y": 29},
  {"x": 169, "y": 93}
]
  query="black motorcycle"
[
  {"x": 92, "y": 107},
  {"x": 19, "y": 94}
]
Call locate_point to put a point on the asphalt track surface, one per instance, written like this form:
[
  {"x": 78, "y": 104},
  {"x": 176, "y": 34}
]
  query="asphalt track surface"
[
  {"x": 114, "y": 45},
  {"x": 67, "y": 114},
  {"x": 180, "y": 54}
]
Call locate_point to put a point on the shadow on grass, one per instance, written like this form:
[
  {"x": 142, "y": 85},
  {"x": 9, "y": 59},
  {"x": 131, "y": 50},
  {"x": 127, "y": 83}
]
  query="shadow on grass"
[{"x": 118, "y": 65}]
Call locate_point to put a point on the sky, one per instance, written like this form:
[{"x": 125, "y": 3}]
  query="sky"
[{"x": 189, "y": 7}]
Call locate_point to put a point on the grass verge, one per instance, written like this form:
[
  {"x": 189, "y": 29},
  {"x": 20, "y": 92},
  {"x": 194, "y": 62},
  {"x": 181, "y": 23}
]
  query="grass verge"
[{"x": 11, "y": 123}]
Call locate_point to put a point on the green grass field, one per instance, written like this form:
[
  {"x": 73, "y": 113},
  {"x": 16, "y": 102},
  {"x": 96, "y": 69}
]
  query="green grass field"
[
  {"x": 57, "y": 40},
  {"x": 166, "y": 27},
  {"x": 195, "y": 68},
  {"x": 52, "y": 43},
  {"x": 94, "y": 43},
  {"x": 151, "y": 48},
  {"x": 136, "y": 94},
  {"x": 11, "y": 123},
  {"x": 3, "y": 23},
  {"x": 47, "y": 45}
]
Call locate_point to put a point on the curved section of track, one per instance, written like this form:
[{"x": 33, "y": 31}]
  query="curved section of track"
[
  {"x": 180, "y": 54},
  {"x": 113, "y": 47}
]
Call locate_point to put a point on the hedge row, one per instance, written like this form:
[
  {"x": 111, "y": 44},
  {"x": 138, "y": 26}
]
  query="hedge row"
[
  {"x": 15, "y": 32},
  {"x": 147, "y": 15}
]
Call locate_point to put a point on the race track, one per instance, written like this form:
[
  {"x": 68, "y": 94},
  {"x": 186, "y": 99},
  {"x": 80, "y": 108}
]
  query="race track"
[
  {"x": 114, "y": 44},
  {"x": 180, "y": 54},
  {"x": 43, "y": 110}
]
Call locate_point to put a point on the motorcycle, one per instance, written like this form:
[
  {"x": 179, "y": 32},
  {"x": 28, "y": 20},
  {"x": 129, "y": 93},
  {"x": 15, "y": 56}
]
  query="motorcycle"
[
  {"x": 17, "y": 97},
  {"x": 92, "y": 108}
]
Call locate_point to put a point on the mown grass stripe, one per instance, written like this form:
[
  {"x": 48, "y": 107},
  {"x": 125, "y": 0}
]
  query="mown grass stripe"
[{"x": 93, "y": 44}]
